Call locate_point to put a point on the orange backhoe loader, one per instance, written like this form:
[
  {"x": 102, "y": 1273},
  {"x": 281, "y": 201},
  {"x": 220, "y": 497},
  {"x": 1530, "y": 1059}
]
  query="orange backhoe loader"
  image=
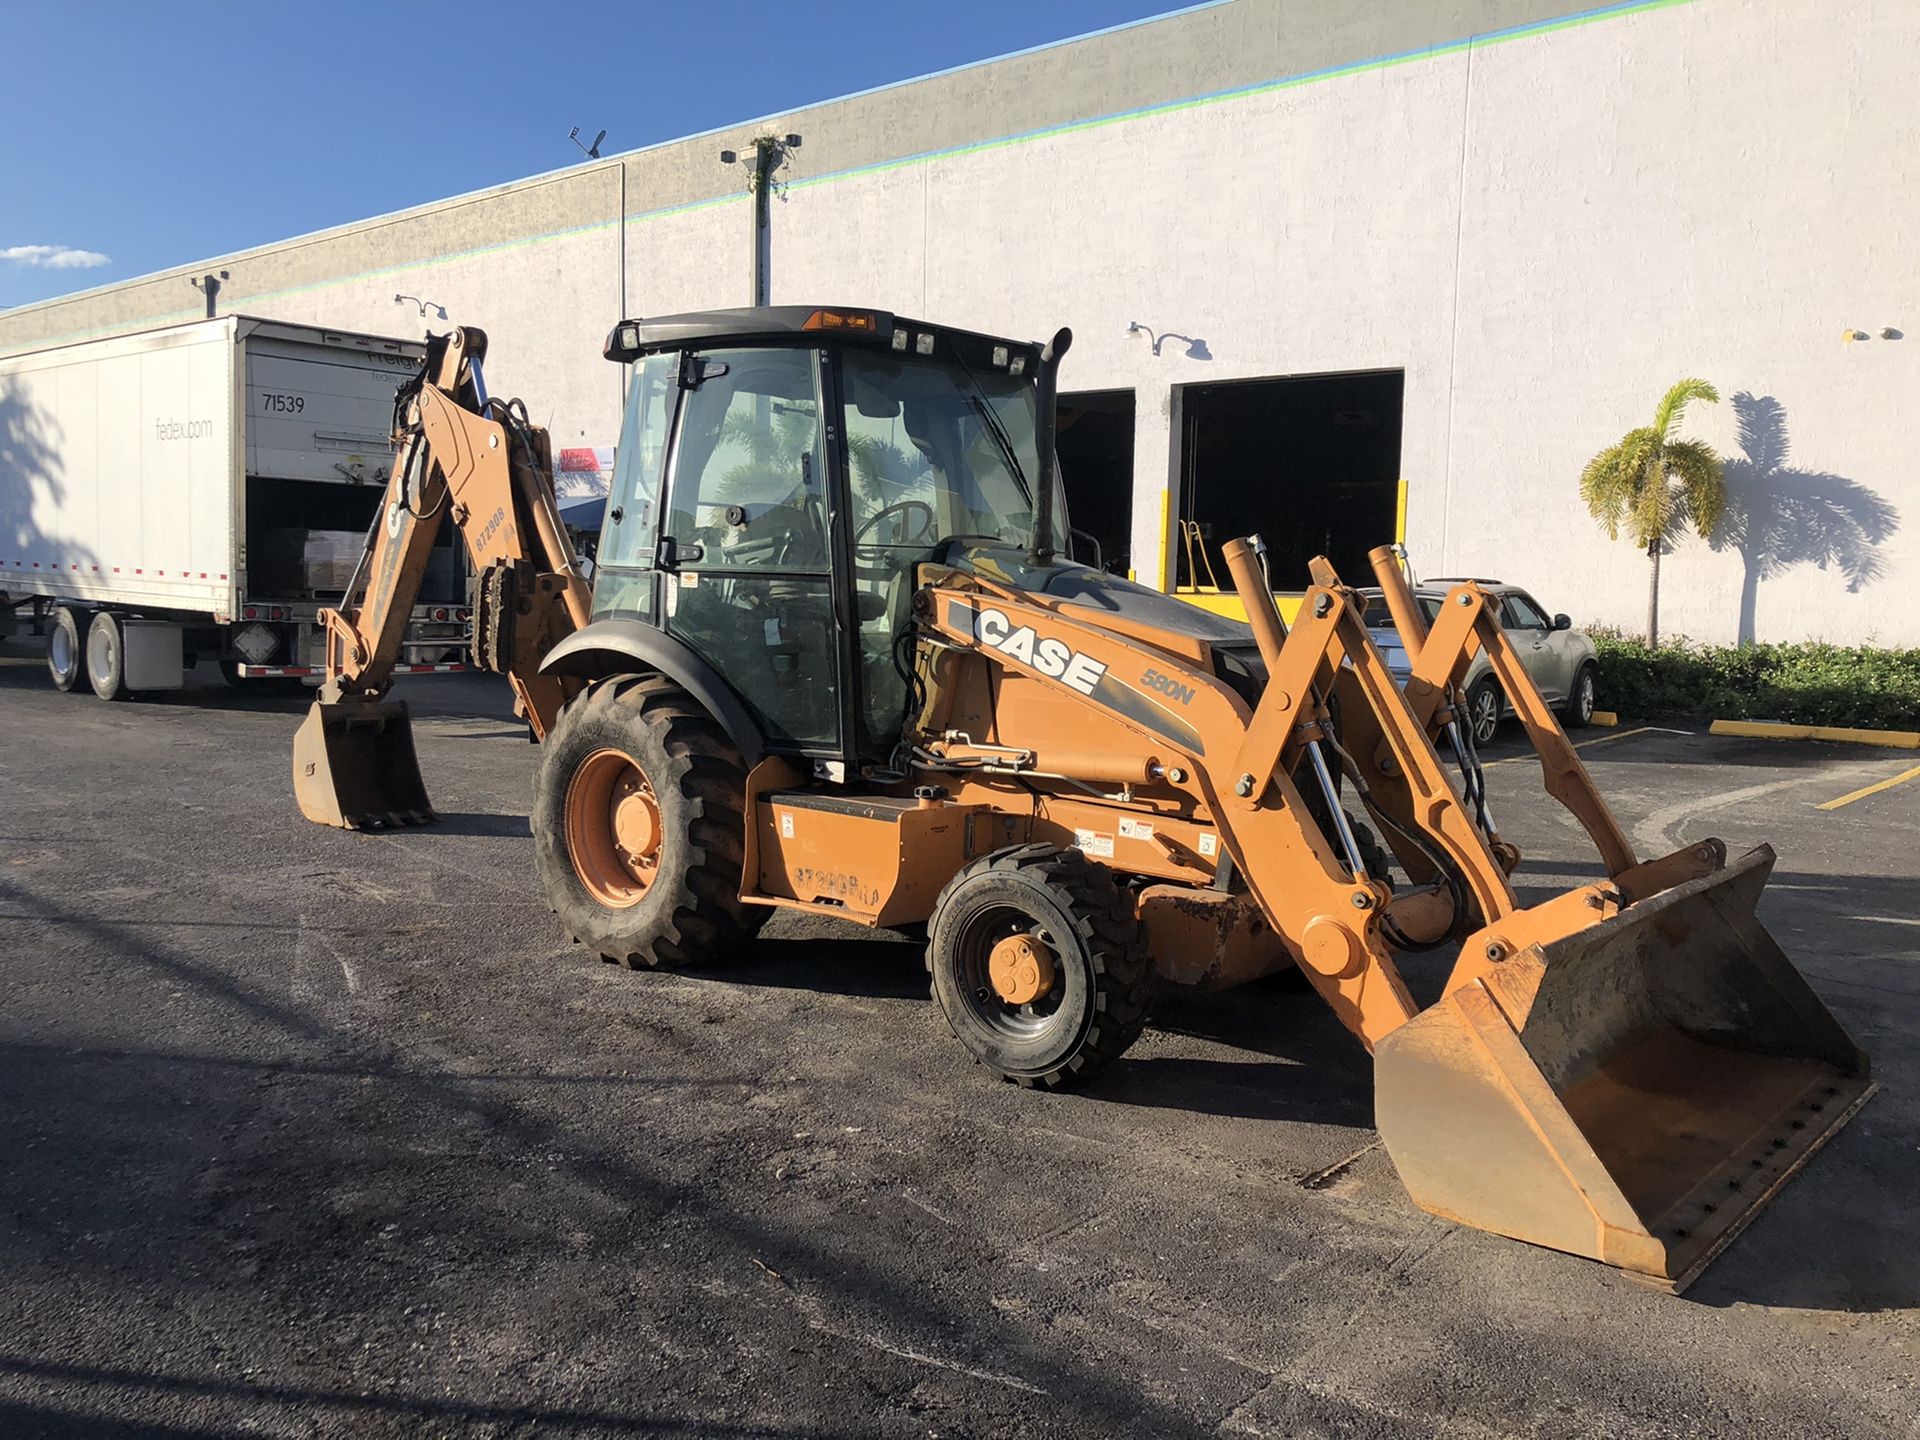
[{"x": 832, "y": 661}]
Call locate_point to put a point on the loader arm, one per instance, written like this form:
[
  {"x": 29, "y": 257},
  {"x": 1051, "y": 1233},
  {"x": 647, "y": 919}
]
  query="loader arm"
[
  {"x": 488, "y": 470},
  {"x": 1440, "y": 655},
  {"x": 1238, "y": 767}
]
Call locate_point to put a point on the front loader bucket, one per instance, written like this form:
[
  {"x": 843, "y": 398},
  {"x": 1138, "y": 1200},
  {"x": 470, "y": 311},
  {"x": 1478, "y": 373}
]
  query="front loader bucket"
[
  {"x": 1671, "y": 1073},
  {"x": 354, "y": 766}
]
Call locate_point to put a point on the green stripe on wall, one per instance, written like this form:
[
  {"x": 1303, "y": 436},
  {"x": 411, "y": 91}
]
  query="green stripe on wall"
[{"x": 1314, "y": 77}]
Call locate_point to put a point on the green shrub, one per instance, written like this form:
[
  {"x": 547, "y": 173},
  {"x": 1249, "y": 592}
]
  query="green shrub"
[{"x": 1808, "y": 684}]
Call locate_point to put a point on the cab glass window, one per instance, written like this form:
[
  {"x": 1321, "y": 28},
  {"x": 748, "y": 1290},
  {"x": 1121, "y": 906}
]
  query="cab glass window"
[
  {"x": 626, "y": 539},
  {"x": 749, "y": 480},
  {"x": 936, "y": 450}
]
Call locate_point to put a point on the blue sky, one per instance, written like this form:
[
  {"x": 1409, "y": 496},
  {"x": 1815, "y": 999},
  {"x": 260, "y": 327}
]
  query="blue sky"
[{"x": 139, "y": 136}]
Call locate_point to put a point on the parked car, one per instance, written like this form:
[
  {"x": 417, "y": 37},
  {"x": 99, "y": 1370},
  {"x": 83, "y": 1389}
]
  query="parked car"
[{"x": 1561, "y": 660}]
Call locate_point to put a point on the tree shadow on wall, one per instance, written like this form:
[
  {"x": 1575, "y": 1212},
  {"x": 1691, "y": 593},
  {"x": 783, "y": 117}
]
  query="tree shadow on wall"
[
  {"x": 31, "y": 471},
  {"x": 1778, "y": 517}
]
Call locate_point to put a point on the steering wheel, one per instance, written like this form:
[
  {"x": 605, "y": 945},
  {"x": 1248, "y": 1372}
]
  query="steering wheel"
[{"x": 899, "y": 507}]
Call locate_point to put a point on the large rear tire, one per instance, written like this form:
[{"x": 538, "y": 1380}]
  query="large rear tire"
[
  {"x": 638, "y": 829},
  {"x": 66, "y": 648},
  {"x": 1039, "y": 965}
]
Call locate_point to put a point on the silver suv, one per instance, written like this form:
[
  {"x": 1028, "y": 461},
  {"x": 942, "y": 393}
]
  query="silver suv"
[{"x": 1561, "y": 660}]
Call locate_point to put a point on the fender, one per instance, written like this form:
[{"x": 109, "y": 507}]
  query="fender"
[{"x": 617, "y": 647}]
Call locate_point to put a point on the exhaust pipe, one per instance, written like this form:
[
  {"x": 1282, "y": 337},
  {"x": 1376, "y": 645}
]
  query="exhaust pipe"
[{"x": 1047, "y": 392}]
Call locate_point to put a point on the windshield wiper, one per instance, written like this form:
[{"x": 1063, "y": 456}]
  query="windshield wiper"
[{"x": 1002, "y": 442}]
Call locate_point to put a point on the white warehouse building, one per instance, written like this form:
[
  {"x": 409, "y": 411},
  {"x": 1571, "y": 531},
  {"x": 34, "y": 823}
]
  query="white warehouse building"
[{"x": 1339, "y": 271}]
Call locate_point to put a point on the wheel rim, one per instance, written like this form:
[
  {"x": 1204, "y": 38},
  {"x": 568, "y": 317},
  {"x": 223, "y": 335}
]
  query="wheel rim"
[
  {"x": 613, "y": 828},
  {"x": 1585, "y": 698},
  {"x": 1021, "y": 968},
  {"x": 100, "y": 655},
  {"x": 60, "y": 651},
  {"x": 1486, "y": 716},
  {"x": 1008, "y": 972}
]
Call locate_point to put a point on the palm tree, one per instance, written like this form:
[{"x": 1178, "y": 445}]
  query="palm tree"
[{"x": 1654, "y": 486}]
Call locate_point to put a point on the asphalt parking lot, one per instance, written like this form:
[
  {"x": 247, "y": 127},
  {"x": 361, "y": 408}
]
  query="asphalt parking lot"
[{"x": 308, "y": 1133}]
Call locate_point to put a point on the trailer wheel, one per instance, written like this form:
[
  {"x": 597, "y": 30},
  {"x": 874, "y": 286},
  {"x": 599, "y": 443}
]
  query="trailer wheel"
[
  {"x": 638, "y": 828},
  {"x": 66, "y": 648},
  {"x": 1039, "y": 965},
  {"x": 107, "y": 656}
]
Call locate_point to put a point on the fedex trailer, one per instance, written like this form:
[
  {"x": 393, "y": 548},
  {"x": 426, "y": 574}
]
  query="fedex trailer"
[{"x": 200, "y": 492}]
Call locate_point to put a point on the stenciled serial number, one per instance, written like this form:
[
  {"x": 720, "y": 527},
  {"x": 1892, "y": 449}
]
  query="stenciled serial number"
[{"x": 831, "y": 884}]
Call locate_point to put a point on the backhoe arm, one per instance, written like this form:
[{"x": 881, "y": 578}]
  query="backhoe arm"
[{"x": 480, "y": 463}]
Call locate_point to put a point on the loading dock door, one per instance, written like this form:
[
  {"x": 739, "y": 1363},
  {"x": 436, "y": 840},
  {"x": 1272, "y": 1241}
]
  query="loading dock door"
[
  {"x": 1311, "y": 463},
  {"x": 1094, "y": 441}
]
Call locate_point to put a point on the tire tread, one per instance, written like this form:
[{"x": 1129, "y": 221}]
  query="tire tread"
[
  {"x": 704, "y": 918},
  {"x": 1104, "y": 919}
]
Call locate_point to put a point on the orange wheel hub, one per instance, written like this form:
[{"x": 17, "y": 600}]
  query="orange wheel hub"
[
  {"x": 613, "y": 828},
  {"x": 1021, "y": 968}
]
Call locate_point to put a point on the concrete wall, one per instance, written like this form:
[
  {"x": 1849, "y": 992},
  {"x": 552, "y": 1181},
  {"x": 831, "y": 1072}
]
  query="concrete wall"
[{"x": 1544, "y": 221}]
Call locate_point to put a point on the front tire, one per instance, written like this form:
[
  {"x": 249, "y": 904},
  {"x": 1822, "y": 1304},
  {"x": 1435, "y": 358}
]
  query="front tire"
[
  {"x": 1039, "y": 965},
  {"x": 638, "y": 828},
  {"x": 1483, "y": 710},
  {"x": 66, "y": 648},
  {"x": 1579, "y": 712},
  {"x": 107, "y": 657}
]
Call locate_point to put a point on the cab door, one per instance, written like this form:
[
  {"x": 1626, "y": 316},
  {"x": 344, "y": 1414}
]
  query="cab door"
[{"x": 746, "y": 540}]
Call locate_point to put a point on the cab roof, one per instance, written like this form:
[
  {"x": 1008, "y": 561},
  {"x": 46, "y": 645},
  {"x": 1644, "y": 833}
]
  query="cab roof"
[{"x": 640, "y": 336}]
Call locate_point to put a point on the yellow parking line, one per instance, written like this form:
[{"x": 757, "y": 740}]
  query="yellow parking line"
[
  {"x": 1874, "y": 789},
  {"x": 1598, "y": 740},
  {"x": 1622, "y": 735}
]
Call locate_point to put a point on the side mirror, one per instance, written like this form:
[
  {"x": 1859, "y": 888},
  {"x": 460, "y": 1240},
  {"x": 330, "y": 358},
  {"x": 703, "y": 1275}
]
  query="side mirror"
[{"x": 1561, "y": 622}]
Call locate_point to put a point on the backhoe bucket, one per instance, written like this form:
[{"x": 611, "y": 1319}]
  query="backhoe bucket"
[
  {"x": 1669, "y": 1075},
  {"x": 354, "y": 766}
]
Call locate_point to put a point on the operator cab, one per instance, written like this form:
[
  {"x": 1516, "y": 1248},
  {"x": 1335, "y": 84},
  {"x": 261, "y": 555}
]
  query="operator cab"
[{"x": 782, "y": 471}]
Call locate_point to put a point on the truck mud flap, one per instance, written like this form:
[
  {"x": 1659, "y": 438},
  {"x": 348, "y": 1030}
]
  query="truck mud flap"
[
  {"x": 1671, "y": 1072},
  {"x": 354, "y": 766}
]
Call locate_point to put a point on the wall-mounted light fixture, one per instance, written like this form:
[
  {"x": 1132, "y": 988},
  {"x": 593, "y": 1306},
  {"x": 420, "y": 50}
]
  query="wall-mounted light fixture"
[
  {"x": 209, "y": 286},
  {"x": 1196, "y": 349},
  {"x": 425, "y": 305},
  {"x": 763, "y": 163}
]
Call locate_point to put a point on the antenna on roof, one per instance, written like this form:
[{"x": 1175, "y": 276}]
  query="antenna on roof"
[{"x": 593, "y": 150}]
